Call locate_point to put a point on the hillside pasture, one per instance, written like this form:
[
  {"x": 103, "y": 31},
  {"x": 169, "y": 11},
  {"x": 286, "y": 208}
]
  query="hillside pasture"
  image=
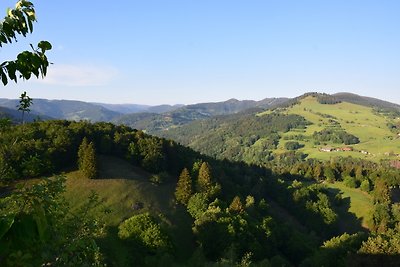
[
  {"x": 376, "y": 140},
  {"x": 125, "y": 190},
  {"x": 361, "y": 204}
]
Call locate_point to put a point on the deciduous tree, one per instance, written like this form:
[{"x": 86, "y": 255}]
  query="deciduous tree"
[{"x": 19, "y": 21}]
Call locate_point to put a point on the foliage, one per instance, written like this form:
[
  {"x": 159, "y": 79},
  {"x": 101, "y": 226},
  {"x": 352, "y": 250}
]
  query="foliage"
[
  {"x": 37, "y": 228},
  {"x": 87, "y": 161},
  {"x": 183, "y": 190},
  {"x": 143, "y": 230},
  {"x": 159, "y": 178},
  {"x": 299, "y": 214},
  {"x": 292, "y": 145},
  {"x": 236, "y": 205},
  {"x": 237, "y": 137},
  {"x": 41, "y": 148},
  {"x": 350, "y": 182},
  {"x": 336, "y": 136},
  {"x": 387, "y": 243},
  {"x": 20, "y": 21},
  {"x": 24, "y": 103},
  {"x": 365, "y": 185},
  {"x": 204, "y": 178},
  {"x": 197, "y": 205},
  {"x": 335, "y": 251}
]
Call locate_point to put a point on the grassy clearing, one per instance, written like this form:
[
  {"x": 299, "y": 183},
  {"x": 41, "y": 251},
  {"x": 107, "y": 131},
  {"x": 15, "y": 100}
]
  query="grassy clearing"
[
  {"x": 360, "y": 202},
  {"x": 120, "y": 186}
]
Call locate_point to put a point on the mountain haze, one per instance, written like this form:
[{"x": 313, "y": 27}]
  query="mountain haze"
[{"x": 65, "y": 109}]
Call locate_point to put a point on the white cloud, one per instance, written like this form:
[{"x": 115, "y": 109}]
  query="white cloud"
[{"x": 79, "y": 75}]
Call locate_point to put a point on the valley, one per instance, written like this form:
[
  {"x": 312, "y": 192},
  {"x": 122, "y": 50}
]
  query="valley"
[{"x": 258, "y": 184}]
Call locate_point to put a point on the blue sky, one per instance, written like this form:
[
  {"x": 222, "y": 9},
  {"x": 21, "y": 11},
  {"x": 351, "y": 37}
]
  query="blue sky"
[{"x": 168, "y": 52}]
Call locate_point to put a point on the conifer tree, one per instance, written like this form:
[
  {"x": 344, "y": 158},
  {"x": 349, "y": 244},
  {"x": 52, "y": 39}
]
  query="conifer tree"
[
  {"x": 87, "y": 161},
  {"x": 204, "y": 178},
  {"x": 81, "y": 152},
  {"x": 236, "y": 205},
  {"x": 183, "y": 190}
]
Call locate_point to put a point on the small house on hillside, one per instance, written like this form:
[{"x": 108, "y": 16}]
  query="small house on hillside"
[
  {"x": 326, "y": 149},
  {"x": 347, "y": 148}
]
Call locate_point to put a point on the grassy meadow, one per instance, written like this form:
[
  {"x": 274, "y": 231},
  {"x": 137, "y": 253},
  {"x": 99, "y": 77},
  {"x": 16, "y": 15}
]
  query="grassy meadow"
[
  {"x": 371, "y": 129},
  {"x": 120, "y": 186},
  {"x": 361, "y": 204}
]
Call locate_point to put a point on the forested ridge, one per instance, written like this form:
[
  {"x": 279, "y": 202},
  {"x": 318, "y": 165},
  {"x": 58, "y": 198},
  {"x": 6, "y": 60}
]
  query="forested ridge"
[{"x": 235, "y": 208}]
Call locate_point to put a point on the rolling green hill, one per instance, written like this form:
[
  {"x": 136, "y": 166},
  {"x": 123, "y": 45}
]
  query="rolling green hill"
[
  {"x": 323, "y": 134},
  {"x": 377, "y": 141}
]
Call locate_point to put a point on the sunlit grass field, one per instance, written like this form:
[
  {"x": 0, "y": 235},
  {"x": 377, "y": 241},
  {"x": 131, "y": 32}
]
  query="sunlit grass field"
[
  {"x": 371, "y": 129},
  {"x": 360, "y": 202},
  {"x": 119, "y": 187}
]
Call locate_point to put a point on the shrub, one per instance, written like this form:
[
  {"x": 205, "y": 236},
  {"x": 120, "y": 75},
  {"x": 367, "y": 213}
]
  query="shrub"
[{"x": 145, "y": 231}]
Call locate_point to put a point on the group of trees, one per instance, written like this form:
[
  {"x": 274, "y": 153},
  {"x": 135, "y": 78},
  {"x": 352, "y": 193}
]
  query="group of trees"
[
  {"x": 186, "y": 187},
  {"x": 241, "y": 137},
  {"x": 336, "y": 136},
  {"x": 42, "y": 148}
]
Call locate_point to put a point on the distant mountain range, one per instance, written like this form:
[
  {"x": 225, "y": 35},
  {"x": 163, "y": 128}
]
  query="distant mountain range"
[
  {"x": 150, "y": 118},
  {"x": 135, "y": 108},
  {"x": 153, "y": 122}
]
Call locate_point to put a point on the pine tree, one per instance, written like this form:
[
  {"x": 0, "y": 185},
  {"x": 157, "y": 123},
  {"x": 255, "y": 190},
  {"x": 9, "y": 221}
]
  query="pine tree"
[
  {"x": 183, "y": 190},
  {"x": 236, "y": 205},
  {"x": 87, "y": 161},
  {"x": 204, "y": 178},
  {"x": 81, "y": 152}
]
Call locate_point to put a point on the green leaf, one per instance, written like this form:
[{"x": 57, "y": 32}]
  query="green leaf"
[
  {"x": 44, "y": 45},
  {"x": 41, "y": 222},
  {"x": 3, "y": 77},
  {"x": 5, "y": 224}
]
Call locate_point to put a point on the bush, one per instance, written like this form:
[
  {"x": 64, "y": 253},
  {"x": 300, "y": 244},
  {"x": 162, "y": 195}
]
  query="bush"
[
  {"x": 159, "y": 178},
  {"x": 145, "y": 231},
  {"x": 365, "y": 185},
  {"x": 292, "y": 145},
  {"x": 197, "y": 205},
  {"x": 350, "y": 182}
]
